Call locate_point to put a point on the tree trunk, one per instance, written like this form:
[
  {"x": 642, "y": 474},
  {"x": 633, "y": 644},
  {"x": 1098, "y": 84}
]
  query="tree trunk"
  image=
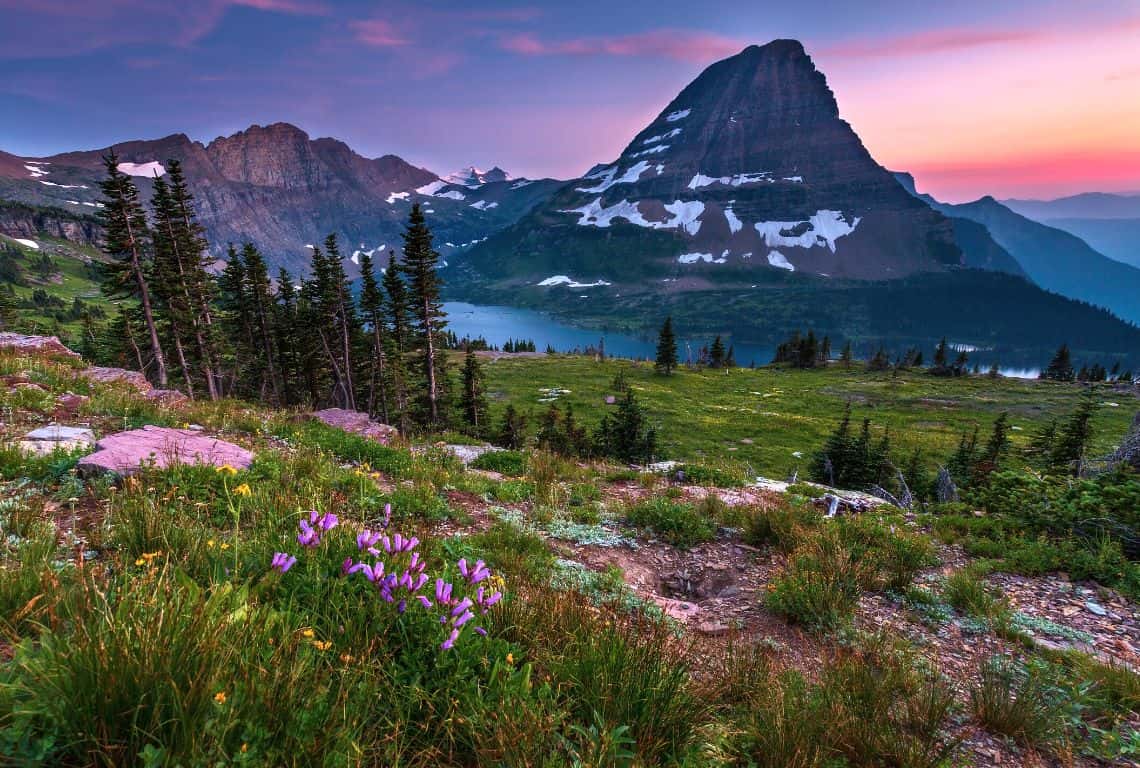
[
  {"x": 433, "y": 405},
  {"x": 148, "y": 312}
]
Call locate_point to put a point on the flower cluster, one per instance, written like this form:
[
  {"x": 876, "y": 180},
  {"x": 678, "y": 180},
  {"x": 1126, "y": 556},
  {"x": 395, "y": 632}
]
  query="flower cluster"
[
  {"x": 391, "y": 562},
  {"x": 311, "y": 529}
]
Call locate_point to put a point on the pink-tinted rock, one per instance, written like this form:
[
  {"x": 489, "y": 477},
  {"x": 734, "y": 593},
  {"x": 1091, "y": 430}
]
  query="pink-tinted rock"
[
  {"x": 103, "y": 375},
  {"x": 357, "y": 423},
  {"x": 124, "y": 452},
  {"x": 166, "y": 396},
  {"x": 46, "y": 345}
]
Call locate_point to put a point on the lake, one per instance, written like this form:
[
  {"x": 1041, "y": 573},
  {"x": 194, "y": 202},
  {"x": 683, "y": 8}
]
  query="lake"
[{"x": 498, "y": 324}]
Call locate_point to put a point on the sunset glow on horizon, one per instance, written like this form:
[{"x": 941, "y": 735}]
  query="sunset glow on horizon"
[{"x": 1011, "y": 99}]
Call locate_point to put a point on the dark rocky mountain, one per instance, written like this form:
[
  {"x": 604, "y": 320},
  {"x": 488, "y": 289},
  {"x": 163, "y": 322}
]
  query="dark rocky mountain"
[
  {"x": 751, "y": 167},
  {"x": 276, "y": 187},
  {"x": 1054, "y": 259}
]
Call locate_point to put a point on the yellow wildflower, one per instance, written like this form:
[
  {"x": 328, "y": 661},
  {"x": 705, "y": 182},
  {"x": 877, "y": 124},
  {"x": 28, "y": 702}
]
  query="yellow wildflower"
[
  {"x": 220, "y": 697},
  {"x": 147, "y": 557},
  {"x": 226, "y": 469},
  {"x": 306, "y": 633},
  {"x": 244, "y": 748},
  {"x": 225, "y": 545},
  {"x": 322, "y": 645},
  {"x": 510, "y": 658},
  {"x": 243, "y": 490},
  {"x": 347, "y": 658},
  {"x": 210, "y": 543}
]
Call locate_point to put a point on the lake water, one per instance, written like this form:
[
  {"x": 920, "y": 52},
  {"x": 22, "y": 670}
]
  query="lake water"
[{"x": 498, "y": 324}]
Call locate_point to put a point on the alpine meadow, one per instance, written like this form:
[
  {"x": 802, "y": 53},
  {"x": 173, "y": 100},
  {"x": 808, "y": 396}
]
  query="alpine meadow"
[{"x": 789, "y": 421}]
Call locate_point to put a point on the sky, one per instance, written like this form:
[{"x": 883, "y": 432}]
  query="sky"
[{"x": 1014, "y": 98}]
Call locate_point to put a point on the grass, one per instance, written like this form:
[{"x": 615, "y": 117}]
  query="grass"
[
  {"x": 677, "y": 522},
  {"x": 746, "y": 422}
]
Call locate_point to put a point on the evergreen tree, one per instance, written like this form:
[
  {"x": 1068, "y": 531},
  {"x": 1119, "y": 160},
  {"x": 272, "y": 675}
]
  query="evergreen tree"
[
  {"x": 880, "y": 361},
  {"x": 836, "y": 453},
  {"x": 845, "y": 357},
  {"x": 264, "y": 340},
  {"x": 941, "y": 357},
  {"x": 666, "y": 349},
  {"x": 626, "y": 434},
  {"x": 473, "y": 402},
  {"x": 716, "y": 353},
  {"x": 290, "y": 340},
  {"x": 997, "y": 446},
  {"x": 126, "y": 241},
  {"x": 1060, "y": 368},
  {"x": 372, "y": 308},
  {"x": 512, "y": 432},
  {"x": 420, "y": 265},
  {"x": 1073, "y": 439},
  {"x": 962, "y": 463}
]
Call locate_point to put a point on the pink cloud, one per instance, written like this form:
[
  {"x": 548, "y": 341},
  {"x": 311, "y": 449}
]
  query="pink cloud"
[
  {"x": 664, "y": 43},
  {"x": 378, "y": 33},
  {"x": 933, "y": 41}
]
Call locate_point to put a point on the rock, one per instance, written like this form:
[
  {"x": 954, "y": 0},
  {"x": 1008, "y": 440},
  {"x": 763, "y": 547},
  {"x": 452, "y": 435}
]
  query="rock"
[
  {"x": 166, "y": 396},
  {"x": 1096, "y": 608},
  {"x": 104, "y": 375},
  {"x": 124, "y": 452},
  {"x": 468, "y": 453},
  {"x": 676, "y": 609},
  {"x": 29, "y": 386},
  {"x": 712, "y": 628},
  {"x": 45, "y": 345},
  {"x": 730, "y": 591},
  {"x": 56, "y": 437},
  {"x": 358, "y": 423},
  {"x": 71, "y": 401}
]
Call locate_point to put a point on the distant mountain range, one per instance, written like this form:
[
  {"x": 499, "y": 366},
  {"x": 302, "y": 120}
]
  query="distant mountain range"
[
  {"x": 1109, "y": 223},
  {"x": 747, "y": 197},
  {"x": 278, "y": 188}
]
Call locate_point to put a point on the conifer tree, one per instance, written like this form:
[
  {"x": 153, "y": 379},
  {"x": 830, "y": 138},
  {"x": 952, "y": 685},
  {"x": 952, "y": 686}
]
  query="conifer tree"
[
  {"x": 400, "y": 341},
  {"x": 126, "y": 241},
  {"x": 167, "y": 283},
  {"x": 1074, "y": 436},
  {"x": 1060, "y": 368},
  {"x": 420, "y": 265},
  {"x": 473, "y": 401},
  {"x": 288, "y": 336},
  {"x": 372, "y": 308},
  {"x": 666, "y": 349},
  {"x": 846, "y": 357},
  {"x": 261, "y": 302},
  {"x": 716, "y": 353},
  {"x": 512, "y": 432}
]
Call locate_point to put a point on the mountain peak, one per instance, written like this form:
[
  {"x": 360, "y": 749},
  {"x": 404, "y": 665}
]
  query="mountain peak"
[{"x": 472, "y": 176}]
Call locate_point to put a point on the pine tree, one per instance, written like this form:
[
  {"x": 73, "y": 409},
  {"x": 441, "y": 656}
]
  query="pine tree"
[
  {"x": 997, "y": 446},
  {"x": 962, "y": 463},
  {"x": 473, "y": 401},
  {"x": 941, "y": 357},
  {"x": 512, "y": 432},
  {"x": 845, "y": 357},
  {"x": 261, "y": 315},
  {"x": 420, "y": 265},
  {"x": 828, "y": 464},
  {"x": 372, "y": 308},
  {"x": 716, "y": 353},
  {"x": 1060, "y": 367},
  {"x": 1074, "y": 436},
  {"x": 666, "y": 349},
  {"x": 289, "y": 339},
  {"x": 126, "y": 241}
]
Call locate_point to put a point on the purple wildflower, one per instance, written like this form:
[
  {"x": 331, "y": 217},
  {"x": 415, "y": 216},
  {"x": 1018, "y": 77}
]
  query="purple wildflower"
[
  {"x": 447, "y": 644},
  {"x": 480, "y": 631},
  {"x": 283, "y": 562}
]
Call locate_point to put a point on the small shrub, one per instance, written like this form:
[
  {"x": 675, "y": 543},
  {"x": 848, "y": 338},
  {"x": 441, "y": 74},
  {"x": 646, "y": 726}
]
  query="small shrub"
[
  {"x": 782, "y": 526},
  {"x": 511, "y": 463},
  {"x": 676, "y": 522},
  {"x": 1021, "y": 702},
  {"x": 544, "y": 473},
  {"x": 970, "y": 594},
  {"x": 718, "y": 477},
  {"x": 820, "y": 586}
]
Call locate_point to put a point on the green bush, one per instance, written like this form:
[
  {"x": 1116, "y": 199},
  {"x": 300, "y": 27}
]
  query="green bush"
[
  {"x": 674, "y": 521},
  {"x": 1023, "y": 702},
  {"x": 511, "y": 463},
  {"x": 718, "y": 477},
  {"x": 820, "y": 585}
]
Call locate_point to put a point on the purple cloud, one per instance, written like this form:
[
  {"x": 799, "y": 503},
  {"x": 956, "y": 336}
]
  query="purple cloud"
[{"x": 680, "y": 45}]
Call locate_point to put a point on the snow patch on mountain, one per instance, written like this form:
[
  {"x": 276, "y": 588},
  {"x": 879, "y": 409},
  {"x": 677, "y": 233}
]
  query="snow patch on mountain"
[
  {"x": 433, "y": 190},
  {"x": 28, "y": 243},
  {"x": 521, "y": 183},
  {"x": 570, "y": 283},
  {"x": 148, "y": 169},
  {"x": 824, "y": 228},
  {"x": 34, "y": 170},
  {"x": 663, "y": 136},
  {"x": 734, "y": 223},
  {"x": 63, "y": 186},
  {"x": 609, "y": 177},
  {"x": 685, "y": 215},
  {"x": 752, "y": 177},
  {"x": 708, "y": 258},
  {"x": 777, "y": 259},
  {"x": 651, "y": 150},
  {"x": 392, "y": 198},
  {"x": 483, "y": 205},
  {"x": 680, "y": 114},
  {"x": 473, "y": 178}
]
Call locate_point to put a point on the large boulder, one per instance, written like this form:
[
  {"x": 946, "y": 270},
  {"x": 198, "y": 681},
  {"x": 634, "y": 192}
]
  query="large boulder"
[
  {"x": 45, "y": 345},
  {"x": 123, "y": 453},
  {"x": 102, "y": 375},
  {"x": 56, "y": 437},
  {"x": 357, "y": 423}
]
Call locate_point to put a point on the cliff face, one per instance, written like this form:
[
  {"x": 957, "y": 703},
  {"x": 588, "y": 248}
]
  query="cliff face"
[
  {"x": 26, "y": 221},
  {"x": 750, "y": 166}
]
